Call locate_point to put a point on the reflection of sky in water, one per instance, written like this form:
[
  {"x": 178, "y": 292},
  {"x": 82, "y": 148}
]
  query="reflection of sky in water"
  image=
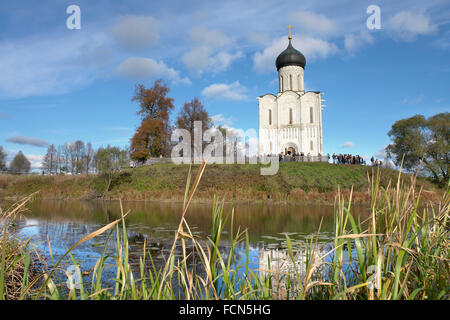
[
  {"x": 30, "y": 228},
  {"x": 62, "y": 236},
  {"x": 65, "y": 225}
]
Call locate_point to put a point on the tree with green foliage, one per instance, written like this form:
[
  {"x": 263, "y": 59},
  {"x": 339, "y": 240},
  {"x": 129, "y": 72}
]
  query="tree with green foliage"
[
  {"x": 2, "y": 159},
  {"x": 110, "y": 160},
  {"x": 152, "y": 138},
  {"x": 20, "y": 164},
  {"x": 423, "y": 144}
]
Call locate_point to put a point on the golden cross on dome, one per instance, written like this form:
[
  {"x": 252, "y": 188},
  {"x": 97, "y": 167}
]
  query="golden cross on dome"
[{"x": 290, "y": 36}]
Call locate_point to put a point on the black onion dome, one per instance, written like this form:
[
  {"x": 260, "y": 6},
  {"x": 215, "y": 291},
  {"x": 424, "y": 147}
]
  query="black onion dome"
[{"x": 290, "y": 57}]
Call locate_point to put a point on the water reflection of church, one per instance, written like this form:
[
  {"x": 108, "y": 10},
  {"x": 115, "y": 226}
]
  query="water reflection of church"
[{"x": 279, "y": 265}]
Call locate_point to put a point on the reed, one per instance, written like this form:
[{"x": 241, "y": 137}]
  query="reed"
[
  {"x": 401, "y": 251},
  {"x": 15, "y": 254}
]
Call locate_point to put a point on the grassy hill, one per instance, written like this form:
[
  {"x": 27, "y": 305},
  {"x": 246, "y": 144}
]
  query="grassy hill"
[{"x": 294, "y": 182}]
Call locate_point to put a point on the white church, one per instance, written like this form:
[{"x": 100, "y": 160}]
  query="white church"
[{"x": 290, "y": 122}]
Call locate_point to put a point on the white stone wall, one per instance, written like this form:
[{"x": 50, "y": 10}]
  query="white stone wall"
[
  {"x": 280, "y": 134},
  {"x": 311, "y": 103},
  {"x": 284, "y": 76}
]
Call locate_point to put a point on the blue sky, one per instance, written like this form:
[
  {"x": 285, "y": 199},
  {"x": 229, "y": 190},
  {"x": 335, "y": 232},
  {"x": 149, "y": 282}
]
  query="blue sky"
[{"x": 59, "y": 85}]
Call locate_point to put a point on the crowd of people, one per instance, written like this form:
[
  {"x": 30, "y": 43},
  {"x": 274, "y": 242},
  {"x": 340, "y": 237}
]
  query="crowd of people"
[
  {"x": 353, "y": 159},
  {"x": 336, "y": 158},
  {"x": 347, "y": 159},
  {"x": 299, "y": 157}
]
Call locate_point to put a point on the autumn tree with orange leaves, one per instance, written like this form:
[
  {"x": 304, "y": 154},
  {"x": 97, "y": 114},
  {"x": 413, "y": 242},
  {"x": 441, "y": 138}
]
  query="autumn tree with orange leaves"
[{"x": 152, "y": 138}]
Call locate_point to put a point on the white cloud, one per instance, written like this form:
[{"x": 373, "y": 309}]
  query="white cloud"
[
  {"x": 144, "y": 68},
  {"x": 354, "y": 42},
  {"x": 233, "y": 91},
  {"x": 223, "y": 60},
  {"x": 407, "y": 25},
  {"x": 381, "y": 154},
  {"x": 49, "y": 65},
  {"x": 134, "y": 33},
  {"x": 207, "y": 37},
  {"x": 209, "y": 54},
  {"x": 259, "y": 38},
  {"x": 220, "y": 119},
  {"x": 200, "y": 59},
  {"x": 348, "y": 144},
  {"x": 312, "y": 48},
  {"x": 35, "y": 160},
  {"x": 313, "y": 23}
]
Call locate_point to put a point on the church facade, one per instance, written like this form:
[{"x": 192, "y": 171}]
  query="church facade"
[{"x": 290, "y": 122}]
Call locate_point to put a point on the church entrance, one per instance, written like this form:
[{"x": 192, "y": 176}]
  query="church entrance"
[{"x": 290, "y": 151}]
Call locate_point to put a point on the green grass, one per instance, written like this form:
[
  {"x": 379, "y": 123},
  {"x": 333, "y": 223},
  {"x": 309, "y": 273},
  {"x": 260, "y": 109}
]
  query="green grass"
[
  {"x": 400, "y": 252},
  {"x": 295, "y": 182}
]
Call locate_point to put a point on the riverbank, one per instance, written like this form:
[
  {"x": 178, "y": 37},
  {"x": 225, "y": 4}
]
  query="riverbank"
[{"x": 294, "y": 183}]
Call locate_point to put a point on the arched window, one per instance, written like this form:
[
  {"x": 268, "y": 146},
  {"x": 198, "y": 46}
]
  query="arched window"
[
  {"x": 290, "y": 82},
  {"x": 311, "y": 118},
  {"x": 290, "y": 115},
  {"x": 311, "y": 145},
  {"x": 281, "y": 83},
  {"x": 270, "y": 117}
]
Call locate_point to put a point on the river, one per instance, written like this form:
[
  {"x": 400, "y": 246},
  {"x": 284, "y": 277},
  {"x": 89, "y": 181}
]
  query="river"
[{"x": 63, "y": 223}]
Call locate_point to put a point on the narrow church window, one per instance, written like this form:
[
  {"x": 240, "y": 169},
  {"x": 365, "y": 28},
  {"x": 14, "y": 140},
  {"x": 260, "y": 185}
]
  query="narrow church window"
[
  {"x": 311, "y": 119},
  {"x": 281, "y": 83},
  {"x": 290, "y": 82},
  {"x": 311, "y": 145},
  {"x": 290, "y": 115},
  {"x": 270, "y": 117}
]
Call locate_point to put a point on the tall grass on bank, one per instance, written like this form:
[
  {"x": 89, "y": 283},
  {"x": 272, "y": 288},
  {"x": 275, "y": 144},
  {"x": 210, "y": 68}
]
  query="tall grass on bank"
[
  {"x": 15, "y": 256},
  {"x": 400, "y": 252}
]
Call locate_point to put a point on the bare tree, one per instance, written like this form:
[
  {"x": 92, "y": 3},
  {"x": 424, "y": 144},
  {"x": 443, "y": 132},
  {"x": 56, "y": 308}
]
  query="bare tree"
[
  {"x": 193, "y": 111},
  {"x": 2, "y": 159},
  {"x": 60, "y": 158},
  {"x": 49, "y": 163},
  {"x": 66, "y": 153},
  {"x": 88, "y": 157},
  {"x": 79, "y": 151}
]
